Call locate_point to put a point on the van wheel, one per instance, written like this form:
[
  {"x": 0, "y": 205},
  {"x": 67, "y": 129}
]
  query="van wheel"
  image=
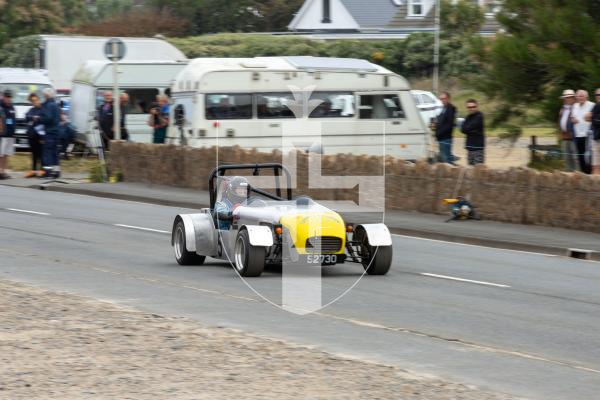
[
  {"x": 183, "y": 256},
  {"x": 375, "y": 260},
  {"x": 249, "y": 260}
]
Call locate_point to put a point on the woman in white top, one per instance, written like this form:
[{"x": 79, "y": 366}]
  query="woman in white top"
[{"x": 581, "y": 126}]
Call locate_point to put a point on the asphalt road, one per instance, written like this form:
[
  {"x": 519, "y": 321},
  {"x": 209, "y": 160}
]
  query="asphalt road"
[{"x": 519, "y": 323}]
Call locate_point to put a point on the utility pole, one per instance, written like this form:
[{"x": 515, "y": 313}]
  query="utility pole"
[
  {"x": 436, "y": 49},
  {"x": 116, "y": 97}
]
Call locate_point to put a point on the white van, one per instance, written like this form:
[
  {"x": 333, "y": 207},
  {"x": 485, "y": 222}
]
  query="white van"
[
  {"x": 61, "y": 55},
  {"x": 22, "y": 82},
  {"x": 252, "y": 102},
  {"x": 142, "y": 80}
]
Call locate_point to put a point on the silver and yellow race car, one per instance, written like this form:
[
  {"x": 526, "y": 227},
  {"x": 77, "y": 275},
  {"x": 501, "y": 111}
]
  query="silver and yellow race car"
[{"x": 253, "y": 227}]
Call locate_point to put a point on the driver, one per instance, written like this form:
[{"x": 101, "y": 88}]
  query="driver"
[{"x": 235, "y": 194}]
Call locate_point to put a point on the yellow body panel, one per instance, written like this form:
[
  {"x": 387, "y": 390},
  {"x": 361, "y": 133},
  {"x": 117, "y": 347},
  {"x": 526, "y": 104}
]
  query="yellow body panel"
[{"x": 314, "y": 224}]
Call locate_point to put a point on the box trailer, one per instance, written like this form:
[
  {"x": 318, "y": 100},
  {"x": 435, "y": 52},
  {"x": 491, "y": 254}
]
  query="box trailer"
[{"x": 62, "y": 55}]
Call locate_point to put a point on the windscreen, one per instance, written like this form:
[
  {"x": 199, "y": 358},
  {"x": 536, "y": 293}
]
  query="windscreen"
[{"x": 21, "y": 91}]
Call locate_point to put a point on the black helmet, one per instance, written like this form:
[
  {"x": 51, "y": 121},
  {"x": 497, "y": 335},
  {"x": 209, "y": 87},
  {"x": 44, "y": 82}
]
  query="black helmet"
[{"x": 237, "y": 189}]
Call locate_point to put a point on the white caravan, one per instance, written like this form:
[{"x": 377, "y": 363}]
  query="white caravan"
[
  {"x": 62, "y": 55},
  {"x": 331, "y": 105},
  {"x": 22, "y": 82},
  {"x": 141, "y": 80}
]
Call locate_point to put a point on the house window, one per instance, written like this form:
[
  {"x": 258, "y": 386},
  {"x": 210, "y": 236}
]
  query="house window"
[
  {"x": 326, "y": 12},
  {"x": 415, "y": 8}
]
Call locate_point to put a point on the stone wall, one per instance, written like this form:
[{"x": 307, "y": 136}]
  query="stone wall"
[{"x": 567, "y": 200}]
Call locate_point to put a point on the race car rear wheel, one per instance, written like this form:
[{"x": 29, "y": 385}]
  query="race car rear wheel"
[
  {"x": 183, "y": 256},
  {"x": 249, "y": 260},
  {"x": 375, "y": 260}
]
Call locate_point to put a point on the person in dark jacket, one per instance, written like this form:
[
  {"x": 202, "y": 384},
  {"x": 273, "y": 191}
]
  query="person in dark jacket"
[
  {"x": 51, "y": 120},
  {"x": 35, "y": 134},
  {"x": 473, "y": 127},
  {"x": 7, "y": 136},
  {"x": 595, "y": 119},
  {"x": 444, "y": 126},
  {"x": 106, "y": 120}
]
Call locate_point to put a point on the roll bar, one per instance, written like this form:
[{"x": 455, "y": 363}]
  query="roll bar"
[{"x": 278, "y": 171}]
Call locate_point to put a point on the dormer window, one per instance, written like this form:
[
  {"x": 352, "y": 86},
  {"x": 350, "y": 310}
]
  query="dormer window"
[
  {"x": 415, "y": 8},
  {"x": 326, "y": 12}
]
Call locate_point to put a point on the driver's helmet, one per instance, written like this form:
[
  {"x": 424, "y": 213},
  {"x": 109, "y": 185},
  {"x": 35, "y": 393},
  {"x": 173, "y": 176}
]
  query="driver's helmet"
[{"x": 237, "y": 189}]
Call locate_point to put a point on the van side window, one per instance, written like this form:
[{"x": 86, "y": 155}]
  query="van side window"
[
  {"x": 228, "y": 106},
  {"x": 333, "y": 105},
  {"x": 275, "y": 105},
  {"x": 381, "y": 106}
]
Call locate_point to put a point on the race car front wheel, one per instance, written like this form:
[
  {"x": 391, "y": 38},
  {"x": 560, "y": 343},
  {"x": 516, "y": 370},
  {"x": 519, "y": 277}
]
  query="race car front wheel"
[
  {"x": 249, "y": 260},
  {"x": 183, "y": 256},
  {"x": 376, "y": 260}
]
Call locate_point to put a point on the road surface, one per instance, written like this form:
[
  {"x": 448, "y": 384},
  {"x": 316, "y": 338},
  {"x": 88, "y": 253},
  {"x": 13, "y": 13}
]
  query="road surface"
[{"x": 519, "y": 323}]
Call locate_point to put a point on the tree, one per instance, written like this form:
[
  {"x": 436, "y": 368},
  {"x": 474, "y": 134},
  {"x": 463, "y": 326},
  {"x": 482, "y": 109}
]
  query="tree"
[
  {"x": 212, "y": 16},
  {"x": 142, "y": 23},
  {"x": 26, "y": 17},
  {"x": 548, "y": 46}
]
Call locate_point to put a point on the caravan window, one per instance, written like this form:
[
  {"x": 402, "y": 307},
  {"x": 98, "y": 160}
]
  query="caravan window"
[
  {"x": 140, "y": 100},
  {"x": 381, "y": 106},
  {"x": 275, "y": 105},
  {"x": 228, "y": 106},
  {"x": 333, "y": 105}
]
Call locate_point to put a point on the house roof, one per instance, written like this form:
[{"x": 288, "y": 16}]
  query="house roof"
[{"x": 374, "y": 13}]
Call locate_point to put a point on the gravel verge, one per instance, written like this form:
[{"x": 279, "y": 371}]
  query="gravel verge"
[{"x": 62, "y": 346}]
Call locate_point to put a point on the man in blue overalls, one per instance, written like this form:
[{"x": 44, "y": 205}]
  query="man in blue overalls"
[
  {"x": 235, "y": 194},
  {"x": 51, "y": 119}
]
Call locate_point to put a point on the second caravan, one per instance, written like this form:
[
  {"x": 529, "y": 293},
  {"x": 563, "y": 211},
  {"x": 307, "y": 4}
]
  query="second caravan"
[
  {"x": 340, "y": 105},
  {"x": 142, "y": 80}
]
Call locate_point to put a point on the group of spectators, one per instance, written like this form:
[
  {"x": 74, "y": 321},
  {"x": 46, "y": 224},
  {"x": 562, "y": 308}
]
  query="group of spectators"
[
  {"x": 579, "y": 123},
  {"x": 473, "y": 127},
  {"x": 158, "y": 118},
  {"x": 48, "y": 132}
]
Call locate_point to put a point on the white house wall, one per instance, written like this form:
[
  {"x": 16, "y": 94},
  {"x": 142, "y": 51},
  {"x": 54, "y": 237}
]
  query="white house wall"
[{"x": 312, "y": 16}]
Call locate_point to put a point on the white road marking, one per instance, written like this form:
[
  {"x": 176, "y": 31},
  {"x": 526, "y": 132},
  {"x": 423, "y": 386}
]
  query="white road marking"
[
  {"x": 452, "y": 278},
  {"x": 140, "y": 228},
  {"x": 475, "y": 245},
  {"x": 26, "y": 211}
]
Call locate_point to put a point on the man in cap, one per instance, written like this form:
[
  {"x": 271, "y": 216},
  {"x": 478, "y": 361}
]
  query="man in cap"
[
  {"x": 566, "y": 130},
  {"x": 7, "y": 131}
]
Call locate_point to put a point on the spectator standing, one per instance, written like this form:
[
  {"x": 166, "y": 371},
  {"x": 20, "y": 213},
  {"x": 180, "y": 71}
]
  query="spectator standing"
[
  {"x": 581, "y": 127},
  {"x": 35, "y": 134},
  {"x": 51, "y": 120},
  {"x": 106, "y": 120},
  {"x": 595, "y": 120},
  {"x": 473, "y": 127},
  {"x": 124, "y": 102},
  {"x": 7, "y": 132},
  {"x": 66, "y": 135},
  {"x": 444, "y": 126},
  {"x": 567, "y": 130},
  {"x": 159, "y": 119}
]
